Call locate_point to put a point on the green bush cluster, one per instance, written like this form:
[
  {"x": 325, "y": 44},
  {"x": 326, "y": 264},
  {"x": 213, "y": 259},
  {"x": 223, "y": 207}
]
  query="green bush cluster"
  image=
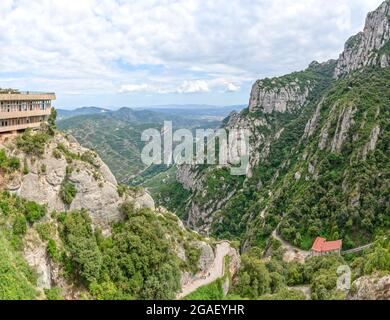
[
  {"x": 32, "y": 143},
  {"x": 8, "y": 164},
  {"x": 17, "y": 279},
  {"x": 68, "y": 190},
  {"x": 275, "y": 279},
  {"x": 34, "y": 211},
  {"x": 136, "y": 261}
]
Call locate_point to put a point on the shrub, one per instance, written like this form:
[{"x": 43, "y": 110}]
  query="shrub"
[
  {"x": 32, "y": 143},
  {"x": 192, "y": 255},
  {"x": 20, "y": 225},
  {"x": 121, "y": 189},
  {"x": 67, "y": 192},
  {"x": 45, "y": 230},
  {"x": 53, "y": 294},
  {"x": 34, "y": 211},
  {"x": 212, "y": 291},
  {"x": 254, "y": 278},
  {"x": 81, "y": 243},
  {"x": 14, "y": 164},
  {"x": 69, "y": 155},
  {"x": 8, "y": 164},
  {"x": 53, "y": 251}
]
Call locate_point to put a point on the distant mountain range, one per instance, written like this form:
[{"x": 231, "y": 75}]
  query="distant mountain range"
[
  {"x": 116, "y": 135},
  {"x": 63, "y": 114},
  {"x": 193, "y": 109}
]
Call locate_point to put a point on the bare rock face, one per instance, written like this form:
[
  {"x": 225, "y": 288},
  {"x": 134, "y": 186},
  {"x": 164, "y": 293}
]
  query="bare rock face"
[
  {"x": 187, "y": 176},
  {"x": 96, "y": 185},
  {"x": 370, "y": 47},
  {"x": 276, "y": 97},
  {"x": 371, "y": 288},
  {"x": 36, "y": 256},
  {"x": 343, "y": 125},
  {"x": 311, "y": 125},
  {"x": 206, "y": 257},
  {"x": 371, "y": 144}
]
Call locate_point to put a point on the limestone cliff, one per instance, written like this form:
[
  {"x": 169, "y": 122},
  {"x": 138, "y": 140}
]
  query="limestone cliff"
[
  {"x": 370, "y": 47},
  {"x": 64, "y": 158},
  {"x": 269, "y": 95}
]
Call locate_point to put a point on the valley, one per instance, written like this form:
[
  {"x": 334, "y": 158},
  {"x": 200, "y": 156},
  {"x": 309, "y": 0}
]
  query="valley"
[{"x": 116, "y": 135}]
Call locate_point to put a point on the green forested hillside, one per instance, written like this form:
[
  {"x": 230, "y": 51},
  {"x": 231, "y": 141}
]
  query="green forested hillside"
[
  {"x": 116, "y": 137},
  {"x": 348, "y": 194},
  {"x": 341, "y": 193},
  {"x": 17, "y": 280}
]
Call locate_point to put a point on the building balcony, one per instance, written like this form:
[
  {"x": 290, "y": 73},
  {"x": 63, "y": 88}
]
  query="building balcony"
[
  {"x": 24, "y": 114},
  {"x": 20, "y": 127}
]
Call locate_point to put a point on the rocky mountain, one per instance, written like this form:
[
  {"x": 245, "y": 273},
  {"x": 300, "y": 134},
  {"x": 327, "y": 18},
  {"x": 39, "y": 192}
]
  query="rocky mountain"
[
  {"x": 278, "y": 119},
  {"x": 65, "y": 220},
  {"x": 369, "y": 47},
  {"x": 319, "y": 153}
]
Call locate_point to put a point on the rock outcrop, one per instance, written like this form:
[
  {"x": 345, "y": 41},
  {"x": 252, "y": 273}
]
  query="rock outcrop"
[
  {"x": 269, "y": 95},
  {"x": 370, "y": 47},
  {"x": 371, "y": 144},
  {"x": 370, "y": 288},
  {"x": 97, "y": 189},
  {"x": 344, "y": 123}
]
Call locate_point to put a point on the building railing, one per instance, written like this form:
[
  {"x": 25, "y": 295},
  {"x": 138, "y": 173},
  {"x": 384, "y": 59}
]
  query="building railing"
[
  {"x": 35, "y": 92},
  {"x": 3, "y": 91}
]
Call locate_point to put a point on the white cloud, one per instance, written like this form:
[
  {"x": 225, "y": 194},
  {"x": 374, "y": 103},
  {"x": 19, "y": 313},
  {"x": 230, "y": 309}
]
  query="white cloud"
[
  {"x": 231, "y": 87},
  {"x": 193, "y": 87},
  {"x": 128, "y": 88},
  {"x": 182, "y": 46}
]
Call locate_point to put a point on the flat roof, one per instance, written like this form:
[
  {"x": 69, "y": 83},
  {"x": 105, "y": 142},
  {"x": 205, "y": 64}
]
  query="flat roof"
[{"x": 27, "y": 96}]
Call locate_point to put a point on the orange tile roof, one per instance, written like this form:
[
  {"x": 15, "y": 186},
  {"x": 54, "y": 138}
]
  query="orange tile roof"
[
  {"x": 332, "y": 245},
  {"x": 321, "y": 245},
  {"x": 317, "y": 245}
]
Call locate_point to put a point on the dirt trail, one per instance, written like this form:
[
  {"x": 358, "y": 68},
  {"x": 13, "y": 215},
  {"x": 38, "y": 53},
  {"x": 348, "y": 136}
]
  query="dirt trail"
[
  {"x": 216, "y": 271},
  {"x": 292, "y": 253}
]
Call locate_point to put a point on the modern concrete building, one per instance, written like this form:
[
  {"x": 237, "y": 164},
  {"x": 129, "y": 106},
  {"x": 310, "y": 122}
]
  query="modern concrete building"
[{"x": 22, "y": 110}]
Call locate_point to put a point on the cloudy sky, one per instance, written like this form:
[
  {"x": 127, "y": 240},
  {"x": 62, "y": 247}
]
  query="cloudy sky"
[{"x": 113, "y": 53}]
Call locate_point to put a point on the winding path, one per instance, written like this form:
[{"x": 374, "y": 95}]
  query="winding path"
[
  {"x": 292, "y": 253},
  {"x": 217, "y": 271}
]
